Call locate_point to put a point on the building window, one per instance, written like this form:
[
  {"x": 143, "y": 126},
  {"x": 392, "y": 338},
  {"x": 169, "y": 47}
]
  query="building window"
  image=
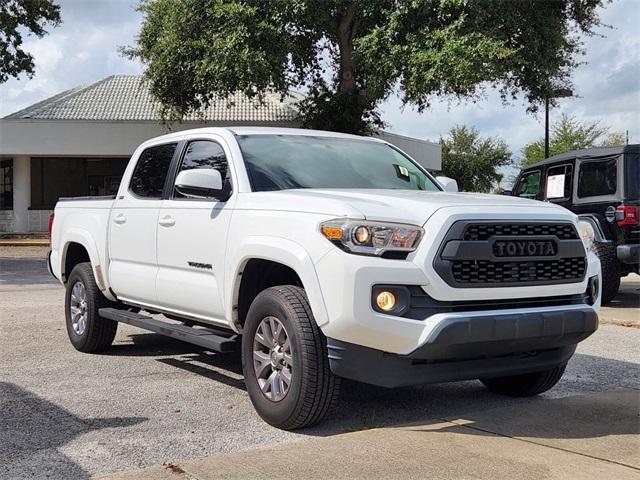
[
  {"x": 6, "y": 184},
  {"x": 52, "y": 178}
]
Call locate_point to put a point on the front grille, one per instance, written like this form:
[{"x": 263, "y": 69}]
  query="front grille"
[
  {"x": 484, "y": 231},
  {"x": 483, "y": 271},
  {"x": 472, "y": 254}
]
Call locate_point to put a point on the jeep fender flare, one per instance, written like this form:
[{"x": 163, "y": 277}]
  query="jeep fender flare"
[
  {"x": 599, "y": 224},
  {"x": 275, "y": 249}
]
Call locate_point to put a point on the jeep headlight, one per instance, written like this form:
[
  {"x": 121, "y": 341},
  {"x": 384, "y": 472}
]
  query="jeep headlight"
[
  {"x": 587, "y": 234},
  {"x": 372, "y": 238}
]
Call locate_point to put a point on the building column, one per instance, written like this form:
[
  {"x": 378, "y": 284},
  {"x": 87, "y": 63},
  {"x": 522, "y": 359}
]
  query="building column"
[{"x": 21, "y": 192}]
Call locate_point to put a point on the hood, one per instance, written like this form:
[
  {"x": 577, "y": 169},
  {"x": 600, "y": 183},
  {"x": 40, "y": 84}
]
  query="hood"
[{"x": 405, "y": 206}]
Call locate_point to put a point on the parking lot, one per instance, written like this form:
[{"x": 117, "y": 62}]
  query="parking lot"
[{"x": 151, "y": 400}]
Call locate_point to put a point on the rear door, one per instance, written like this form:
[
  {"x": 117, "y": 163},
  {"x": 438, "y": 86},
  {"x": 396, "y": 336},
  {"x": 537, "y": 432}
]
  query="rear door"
[
  {"x": 192, "y": 237},
  {"x": 133, "y": 226}
]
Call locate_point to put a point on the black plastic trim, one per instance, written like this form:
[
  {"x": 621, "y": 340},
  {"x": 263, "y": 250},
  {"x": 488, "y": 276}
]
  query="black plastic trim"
[
  {"x": 470, "y": 347},
  {"x": 442, "y": 262},
  {"x": 629, "y": 254},
  {"x": 422, "y": 306}
]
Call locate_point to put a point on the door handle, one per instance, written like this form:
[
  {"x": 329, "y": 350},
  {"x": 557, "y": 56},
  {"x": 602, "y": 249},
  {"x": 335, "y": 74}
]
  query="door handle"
[
  {"x": 167, "y": 221},
  {"x": 119, "y": 219}
]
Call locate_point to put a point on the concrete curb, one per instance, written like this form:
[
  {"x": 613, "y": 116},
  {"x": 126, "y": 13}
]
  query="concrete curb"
[{"x": 24, "y": 243}]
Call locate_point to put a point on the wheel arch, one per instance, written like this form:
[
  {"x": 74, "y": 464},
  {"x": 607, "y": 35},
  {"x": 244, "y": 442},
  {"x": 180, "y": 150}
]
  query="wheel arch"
[
  {"x": 78, "y": 247},
  {"x": 260, "y": 262}
]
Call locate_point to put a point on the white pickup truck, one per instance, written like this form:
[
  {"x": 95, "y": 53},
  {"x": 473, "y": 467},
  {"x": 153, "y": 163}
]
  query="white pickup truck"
[{"x": 325, "y": 256}]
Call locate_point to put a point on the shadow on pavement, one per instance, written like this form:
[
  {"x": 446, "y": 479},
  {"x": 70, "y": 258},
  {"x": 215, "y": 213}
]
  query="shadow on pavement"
[
  {"x": 24, "y": 271},
  {"x": 362, "y": 406},
  {"x": 32, "y": 430}
]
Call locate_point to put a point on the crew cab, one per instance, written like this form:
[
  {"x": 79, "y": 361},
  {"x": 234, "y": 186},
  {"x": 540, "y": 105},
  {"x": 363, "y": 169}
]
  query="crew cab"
[{"x": 326, "y": 256}]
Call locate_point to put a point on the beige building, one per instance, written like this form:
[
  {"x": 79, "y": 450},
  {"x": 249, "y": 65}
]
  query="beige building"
[{"x": 78, "y": 142}]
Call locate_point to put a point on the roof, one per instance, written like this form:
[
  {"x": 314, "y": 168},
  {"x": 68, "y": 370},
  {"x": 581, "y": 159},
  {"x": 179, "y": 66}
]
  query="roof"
[
  {"x": 127, "y": 98},
  {"x": 592, "y": 152}
]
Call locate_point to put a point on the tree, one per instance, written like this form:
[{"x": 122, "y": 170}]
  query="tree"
[
  {"x": 349, "y": 55},
  {"x": 472, "y": 160},
  {"x": 570, "y": 134},
  {"x": 16, "y": 18}
]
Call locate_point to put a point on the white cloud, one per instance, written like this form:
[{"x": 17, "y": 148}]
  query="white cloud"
[{"x": 82, "y": 50}]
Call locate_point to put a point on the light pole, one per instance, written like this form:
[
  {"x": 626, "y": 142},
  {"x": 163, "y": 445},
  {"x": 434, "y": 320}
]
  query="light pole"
[{"x": 557, "y": 93}]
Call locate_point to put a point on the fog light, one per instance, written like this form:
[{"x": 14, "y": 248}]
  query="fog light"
[{"x": 386, "y": 300}]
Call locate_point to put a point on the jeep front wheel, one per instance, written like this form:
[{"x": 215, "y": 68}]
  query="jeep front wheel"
[{"x": 284, "y": 360}]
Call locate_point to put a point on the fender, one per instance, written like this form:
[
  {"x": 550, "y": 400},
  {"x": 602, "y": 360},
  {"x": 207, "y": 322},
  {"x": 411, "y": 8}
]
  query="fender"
[
  {"x": 84, "y": 238},
  {"x": 281, "y": 250},
  {"x": 599, "y": 225}
]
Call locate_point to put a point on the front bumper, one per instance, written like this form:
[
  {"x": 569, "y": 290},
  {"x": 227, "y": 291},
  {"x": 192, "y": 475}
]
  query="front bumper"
[
  {"x": 348, "y": 280},
  {"x": 629, "y": 254},
  {"x": 466, "y": 347}
]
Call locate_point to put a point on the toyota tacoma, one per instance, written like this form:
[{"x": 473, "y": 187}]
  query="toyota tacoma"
[{"x": 325, "y": 256}]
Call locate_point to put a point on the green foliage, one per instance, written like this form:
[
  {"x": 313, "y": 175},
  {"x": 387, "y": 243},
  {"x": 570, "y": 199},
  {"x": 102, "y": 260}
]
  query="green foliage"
[
  {"x": 349, "y": 55},
  {"x": 472, "y": 160},
  {"x": 570, "y": 134},
  {"x": 16, "y": 18}
]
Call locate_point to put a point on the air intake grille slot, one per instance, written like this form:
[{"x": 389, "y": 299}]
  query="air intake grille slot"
[
  {"x": 484, "y": 231},
  {"x": 482, "y": 271}
]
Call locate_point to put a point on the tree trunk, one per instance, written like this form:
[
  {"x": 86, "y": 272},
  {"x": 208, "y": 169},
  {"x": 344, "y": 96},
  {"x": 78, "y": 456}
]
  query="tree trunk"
[{"x": 346, "y": 31}]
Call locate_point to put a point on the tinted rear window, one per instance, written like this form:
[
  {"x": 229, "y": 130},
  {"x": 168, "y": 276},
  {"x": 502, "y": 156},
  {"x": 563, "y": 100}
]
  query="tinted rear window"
[
  {"x": 151, "y": 171},
  {"x": 598, "y": 177},
  {"x": 632, "y": 174}
]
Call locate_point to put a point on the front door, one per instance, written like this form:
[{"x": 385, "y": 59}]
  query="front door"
[
  {"x": 133, "y": 227},
  {"x": 192, "y": 235}
]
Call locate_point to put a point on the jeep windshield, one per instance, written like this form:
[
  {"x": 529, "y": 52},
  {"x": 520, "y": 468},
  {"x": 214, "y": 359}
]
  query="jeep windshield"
[{"x": 283, "y": 162}]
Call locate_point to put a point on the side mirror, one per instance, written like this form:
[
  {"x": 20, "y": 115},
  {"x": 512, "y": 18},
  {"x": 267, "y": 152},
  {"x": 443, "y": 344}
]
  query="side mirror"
[
  {"x": 199, "y": 182},
  {"x": 449, "y": 184}
]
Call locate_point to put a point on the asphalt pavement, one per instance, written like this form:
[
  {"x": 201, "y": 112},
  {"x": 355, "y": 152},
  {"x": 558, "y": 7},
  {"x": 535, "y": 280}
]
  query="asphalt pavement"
[{"x": 151, "y": 400}]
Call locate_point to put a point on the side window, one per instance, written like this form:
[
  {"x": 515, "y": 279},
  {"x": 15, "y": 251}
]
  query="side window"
[
  {"x": 205, "y": 154},
  {"x": 151, "y": 171},
  {"x": 529, "y": 185},
  {"x": 559, "y": 182},
  {"x": 598, "y": 178}
]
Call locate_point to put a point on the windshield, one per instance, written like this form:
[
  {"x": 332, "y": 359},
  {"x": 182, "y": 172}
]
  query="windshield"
[{"x": 282, "y": 162}]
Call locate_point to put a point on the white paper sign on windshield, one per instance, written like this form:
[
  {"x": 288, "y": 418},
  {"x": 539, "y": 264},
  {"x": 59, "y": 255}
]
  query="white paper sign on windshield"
[{"x": 555, "y": 186}]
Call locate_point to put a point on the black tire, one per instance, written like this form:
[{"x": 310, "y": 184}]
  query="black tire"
[
  {"x": 526, "y": 385},
  {"x": 610, "y": 271},
  {"x": 98, "y": 333},
  {"x": 313, "y": 389}
]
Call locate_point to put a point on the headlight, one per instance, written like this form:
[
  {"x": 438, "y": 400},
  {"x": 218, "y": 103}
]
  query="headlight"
[
  {"x": 371, "y": 238},
  {"x": 587, "y": 234}
]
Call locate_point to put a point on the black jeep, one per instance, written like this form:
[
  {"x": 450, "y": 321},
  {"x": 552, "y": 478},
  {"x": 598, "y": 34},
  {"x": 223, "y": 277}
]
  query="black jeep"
[{"x": 602, "y": 186}]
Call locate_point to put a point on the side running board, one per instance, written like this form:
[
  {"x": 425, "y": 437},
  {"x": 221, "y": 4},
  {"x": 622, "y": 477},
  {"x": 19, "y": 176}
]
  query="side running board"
[{"x": 213, "y": 339}]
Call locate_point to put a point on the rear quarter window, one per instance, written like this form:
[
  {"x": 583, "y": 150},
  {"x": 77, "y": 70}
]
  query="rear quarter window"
[
  {"x": 598, "y": 178},
  {"x": 632, "y": 175}
]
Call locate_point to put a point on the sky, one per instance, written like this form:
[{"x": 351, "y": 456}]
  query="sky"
[{"x": 607, "y": 87}]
